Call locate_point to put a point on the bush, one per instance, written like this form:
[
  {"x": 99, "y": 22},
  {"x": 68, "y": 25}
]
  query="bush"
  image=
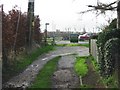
[
  {"x": 81, "y": 67},
  {"x": 111, "y": 48},
  {"x": 103, "y": 37},
  {"x": 94, "y": 37}
]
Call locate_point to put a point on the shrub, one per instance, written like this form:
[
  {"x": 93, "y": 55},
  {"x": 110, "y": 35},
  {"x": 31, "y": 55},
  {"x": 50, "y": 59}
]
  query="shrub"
[
  {"x": 94, "y": 37},
  {"x": 111, "y": 48},
  {"x": 103, "y": 37},
  {"x": 81, "y": 67}
]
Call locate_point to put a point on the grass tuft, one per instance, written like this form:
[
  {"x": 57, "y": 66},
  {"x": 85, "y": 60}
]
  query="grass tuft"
[
  {"x": 73, "y": 44},
  {"x": 80, "y": 66},
  {"x": 43, "y": 79}
]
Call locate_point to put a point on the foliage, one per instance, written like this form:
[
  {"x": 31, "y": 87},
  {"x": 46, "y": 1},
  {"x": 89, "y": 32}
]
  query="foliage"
[
  {"x": 95, "y": 64},
  {"x": 94, "y": 37},
  {"x": 111, "y": 48},
  {"x": 110, "y": 82},
  {"x": 14, "y": 38},
  {"x": 14, "y": 34},
  {"x": 43, "y": 79},
  {"x": 80, "y": 66},
  {"x": 37, "y": 33},
  {"x": 103, "y": 37},
  {"x": 73, "y": 44},
  {"x": 113, "y": 24}
]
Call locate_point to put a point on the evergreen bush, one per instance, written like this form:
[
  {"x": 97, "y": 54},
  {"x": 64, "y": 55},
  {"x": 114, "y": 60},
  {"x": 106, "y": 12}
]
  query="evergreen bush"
[
  {"x": 103, "y": 37},
  {"x": 111, "y": 48}
]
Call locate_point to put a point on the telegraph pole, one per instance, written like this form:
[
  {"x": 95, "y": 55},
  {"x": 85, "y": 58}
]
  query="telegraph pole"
[
  {"x": 118, "y": 14},
  {"x": 1, "y": 53},
  {"x": 30, "y": 22},
  {"x": 118, "y": 27}
]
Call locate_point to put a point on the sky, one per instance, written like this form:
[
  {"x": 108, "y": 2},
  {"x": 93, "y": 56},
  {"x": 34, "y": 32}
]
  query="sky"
[{"x": 63, "y": 14}]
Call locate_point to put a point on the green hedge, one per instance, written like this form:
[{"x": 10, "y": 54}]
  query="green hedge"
[
  {"x": 103, "y": 37},
  {"x": 111, "y": 48}
]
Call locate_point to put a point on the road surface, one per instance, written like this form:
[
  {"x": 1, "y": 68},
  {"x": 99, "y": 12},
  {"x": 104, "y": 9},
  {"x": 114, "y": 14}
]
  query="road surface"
[
  {"x": 26, "y": 78},
  {"x": 68, "y": 42}
]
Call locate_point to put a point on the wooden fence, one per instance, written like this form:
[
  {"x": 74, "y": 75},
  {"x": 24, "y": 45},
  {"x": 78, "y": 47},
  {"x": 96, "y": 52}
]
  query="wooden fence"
[{"x": 93, "y": 49}]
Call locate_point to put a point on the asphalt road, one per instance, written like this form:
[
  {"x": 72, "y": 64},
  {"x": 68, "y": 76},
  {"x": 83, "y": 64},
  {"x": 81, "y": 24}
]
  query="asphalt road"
[{"x": 68, "y": 42}]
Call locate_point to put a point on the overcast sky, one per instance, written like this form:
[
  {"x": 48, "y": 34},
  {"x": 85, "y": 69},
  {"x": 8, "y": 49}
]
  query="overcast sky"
[{"x": 63, "y": 14}]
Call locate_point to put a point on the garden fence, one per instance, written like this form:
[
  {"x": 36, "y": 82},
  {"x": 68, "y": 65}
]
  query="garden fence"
[{"x": 93, "y": 49}]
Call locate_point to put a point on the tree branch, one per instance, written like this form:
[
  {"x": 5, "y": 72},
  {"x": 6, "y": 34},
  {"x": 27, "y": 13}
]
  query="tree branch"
[{"x": 101, "y": 7}]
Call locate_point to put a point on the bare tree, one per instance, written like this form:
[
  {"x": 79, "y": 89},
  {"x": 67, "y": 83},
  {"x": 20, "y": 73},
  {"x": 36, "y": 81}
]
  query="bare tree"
[{"x": 101, "y": 8}]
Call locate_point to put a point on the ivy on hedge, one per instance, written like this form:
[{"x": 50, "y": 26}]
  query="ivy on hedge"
[
  {"x": 103, "y": 37},
  {"x": 111, "y": 48}
]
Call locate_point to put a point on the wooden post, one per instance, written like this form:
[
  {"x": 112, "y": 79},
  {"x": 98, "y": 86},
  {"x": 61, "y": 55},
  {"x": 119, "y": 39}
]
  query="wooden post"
[
  {"x": 118, "y": 27},
  {"x": 118, "y": 14},
  {"x": 29, "y": 33},
  {"x": 1, "y": 16}
]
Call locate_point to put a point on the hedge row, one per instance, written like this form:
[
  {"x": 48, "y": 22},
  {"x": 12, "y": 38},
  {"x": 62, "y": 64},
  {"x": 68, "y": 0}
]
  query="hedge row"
[{"x": 108, "y": 46}]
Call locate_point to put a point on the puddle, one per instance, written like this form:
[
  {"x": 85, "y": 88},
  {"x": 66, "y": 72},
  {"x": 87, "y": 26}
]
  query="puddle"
[
  {"x": 44, "y": 59},
  {"x": 35, "y": 65}
]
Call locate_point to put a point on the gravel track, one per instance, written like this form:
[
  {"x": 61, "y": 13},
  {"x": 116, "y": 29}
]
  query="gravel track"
[{"x": 25, "y": 78}]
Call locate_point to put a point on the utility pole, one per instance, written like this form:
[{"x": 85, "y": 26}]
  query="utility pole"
[
  {"x": 46, "y": 33},
  {"x": 1, "y": 57},
  {"x": 118, "y": 14},
  {"x": 30, "y": 22},
  {"x": 118, "y": 27},
  {"x": 1, "y": 19}
]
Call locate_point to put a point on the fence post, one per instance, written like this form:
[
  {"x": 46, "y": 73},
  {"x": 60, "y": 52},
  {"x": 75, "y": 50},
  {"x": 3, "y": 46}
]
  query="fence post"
[
  {"x": 90, "y": 46},
  {"x": 118, "y": 14},
  {"x": 29, "y": 33},
  {"x": 1, "y": 14}
]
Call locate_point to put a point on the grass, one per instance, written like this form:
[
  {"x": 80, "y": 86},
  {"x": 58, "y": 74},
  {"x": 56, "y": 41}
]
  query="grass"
[
  {"x": 80, "y": 66},
  {"x": 74, "y": 44},
  {"x": 28, "y": 59},
  {"x": 85, "y": 45},
  {"x": 95, "y": 64},
  {"x": 107, "y": 81},
  {"x": 43, "y": 79},
  {"x": 23, "y": 61}
]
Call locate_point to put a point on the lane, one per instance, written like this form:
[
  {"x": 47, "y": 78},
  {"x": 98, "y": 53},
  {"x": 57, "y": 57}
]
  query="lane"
[
  {"x": 68, "y": 42},
  {"x": 26, "y": 78}
]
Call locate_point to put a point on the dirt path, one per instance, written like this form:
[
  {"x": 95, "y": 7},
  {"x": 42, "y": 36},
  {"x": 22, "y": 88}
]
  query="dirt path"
[
  {"x": 65, "y": 77},
  {"x": 92, "y": 78},
  {"x": 25, "y": 78}
]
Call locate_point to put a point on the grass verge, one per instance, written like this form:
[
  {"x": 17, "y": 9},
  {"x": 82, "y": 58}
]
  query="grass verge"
[
  {"x": 95, "y": 64},
  {"x": 110, "y": 81},
  {"x": 73, "y": 44},
  {"x": 22, "y": 62},
  {"x": 43, "y": 79},
  {"x": 80, "y": 66}
]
